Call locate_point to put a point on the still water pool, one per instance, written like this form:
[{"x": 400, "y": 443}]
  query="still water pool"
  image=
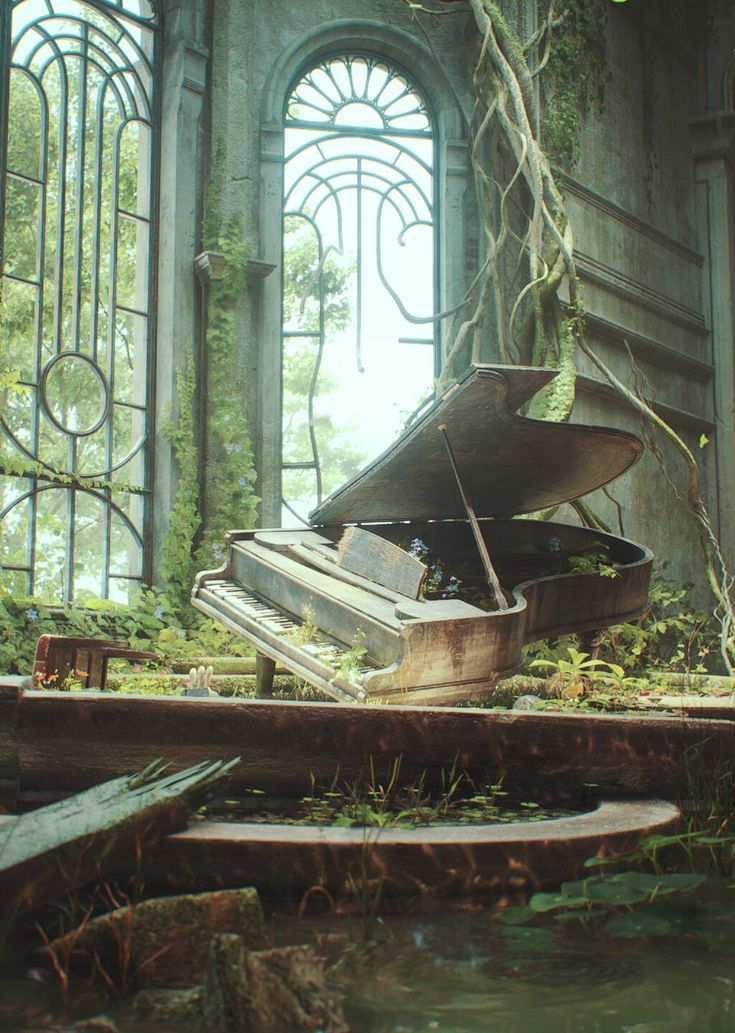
[{"x": 469, "y": 974}]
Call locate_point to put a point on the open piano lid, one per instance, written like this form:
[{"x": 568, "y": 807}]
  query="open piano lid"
[{"x": 509, "y": 464}]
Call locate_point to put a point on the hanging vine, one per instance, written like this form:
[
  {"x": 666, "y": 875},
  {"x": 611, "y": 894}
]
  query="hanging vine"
[{"x": 529, "y": 248}]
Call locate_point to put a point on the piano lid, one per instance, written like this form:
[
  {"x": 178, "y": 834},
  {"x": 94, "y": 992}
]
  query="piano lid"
[{"x": 509, "y": 464}]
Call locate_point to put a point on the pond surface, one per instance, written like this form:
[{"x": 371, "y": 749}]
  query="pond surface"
[
  {"x": 460, "y": 973},
  {"x": 465, "y": 971}
]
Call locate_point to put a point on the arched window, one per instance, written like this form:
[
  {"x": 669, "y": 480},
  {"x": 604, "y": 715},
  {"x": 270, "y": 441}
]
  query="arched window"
[
  {"x": 359, "y": 347},
  {"x": 77, "y": 193}
]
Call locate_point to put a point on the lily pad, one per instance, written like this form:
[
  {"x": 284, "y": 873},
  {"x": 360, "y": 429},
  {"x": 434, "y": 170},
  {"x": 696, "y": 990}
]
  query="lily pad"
[
  {"x": 541, "y": 902},
  {"x": 614, "y": 890},
  {"x": 517, "y": 915}
]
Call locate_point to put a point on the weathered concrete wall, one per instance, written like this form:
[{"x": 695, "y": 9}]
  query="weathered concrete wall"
[{"x": 642, "y": 248}]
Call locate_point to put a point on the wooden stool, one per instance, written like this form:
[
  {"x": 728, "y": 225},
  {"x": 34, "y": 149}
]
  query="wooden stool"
[{"x": 59, "y": 656}]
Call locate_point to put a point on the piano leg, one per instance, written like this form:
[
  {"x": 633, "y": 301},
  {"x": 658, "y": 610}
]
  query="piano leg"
[
  {"x": 264, "y": 670},
  {"x": 590, "y": 641}
]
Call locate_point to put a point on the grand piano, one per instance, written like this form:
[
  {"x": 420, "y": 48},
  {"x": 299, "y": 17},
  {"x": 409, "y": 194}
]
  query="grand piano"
[{"x": 349, "y": 604}]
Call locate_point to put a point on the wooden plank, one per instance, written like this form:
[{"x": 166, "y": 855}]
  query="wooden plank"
[
  {"x": 73, "y": 741},
  {"x": 373, "y": 557},
  {"x": 11, "y": 690},
  {"x": 67, "y": 844}
]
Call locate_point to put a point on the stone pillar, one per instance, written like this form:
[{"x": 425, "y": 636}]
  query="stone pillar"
[
  {"x": 713, "y": 140},
  {"x": 269, "y": 369},
  {"x": 180, "y": 215}
]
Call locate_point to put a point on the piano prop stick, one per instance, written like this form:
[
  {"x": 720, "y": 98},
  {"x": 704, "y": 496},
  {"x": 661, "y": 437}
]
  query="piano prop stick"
[{"x": 492, "y": 578}]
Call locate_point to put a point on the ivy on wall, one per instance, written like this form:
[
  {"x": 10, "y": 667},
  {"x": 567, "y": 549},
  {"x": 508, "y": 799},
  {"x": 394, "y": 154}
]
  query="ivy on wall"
[
  {"x": 229, "y": 499},
  {"x": 216, "y": 486},
  {"x": 178, "y": 565},
  {"x": 574, "y": 80}
]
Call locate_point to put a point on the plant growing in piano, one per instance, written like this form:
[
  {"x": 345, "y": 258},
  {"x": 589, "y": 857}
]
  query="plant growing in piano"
[
  {"x": 593, "y": 561},
  {"x": 350, "y": 662},
  {"x": 307, "y": 632}
]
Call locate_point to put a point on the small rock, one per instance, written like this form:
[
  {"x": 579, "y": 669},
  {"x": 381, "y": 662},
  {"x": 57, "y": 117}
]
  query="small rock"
[
  {"x": 527, "y": 702},
  {"x": 164, "y": 942},
  {"x": 98, "y": 1024},
  {"x": 263, "y": 991},
  {"x": 226, "y": 1007},
  {"x": 169, "y": 1006}
]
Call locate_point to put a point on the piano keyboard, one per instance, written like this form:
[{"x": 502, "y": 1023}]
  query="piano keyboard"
[{"x": 252, "y": 609}]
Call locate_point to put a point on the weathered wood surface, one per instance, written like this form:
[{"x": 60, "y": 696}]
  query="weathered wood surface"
[
  {"x": 10, "y": 694},
  {"x": 67, "y": 844},
  {"x": 426, "y": 651},
  {"x": 85, "y": 659},
  {"x": 68, "y": 743},
  {"x": 289, "y": 860},
  {"x": 373, "y": 557},
  {"x": 510, "y": 464}
]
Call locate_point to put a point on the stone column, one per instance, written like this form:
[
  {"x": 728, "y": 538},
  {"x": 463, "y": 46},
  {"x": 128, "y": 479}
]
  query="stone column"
[
  {"x": 713, "y": 141},
  {"x": 180, "y": 215}
]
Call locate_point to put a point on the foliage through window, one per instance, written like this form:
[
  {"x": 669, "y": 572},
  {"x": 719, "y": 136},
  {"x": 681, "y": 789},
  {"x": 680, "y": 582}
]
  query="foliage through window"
[
  {"x": 78, "y": 178},
  {"x": 359, "y": 272}
]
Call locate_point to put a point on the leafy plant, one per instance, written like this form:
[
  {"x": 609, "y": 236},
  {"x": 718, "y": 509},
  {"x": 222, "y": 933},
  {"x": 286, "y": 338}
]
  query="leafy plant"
[
  {"x": 307, "y": 632},
  {"x": 572, "y": 678},
  {"x": 394, "y": 803},
  {"x": 350, "y": 662},
  {"x": 596, "y": 561},
  {"x": 150, "y": 622}
]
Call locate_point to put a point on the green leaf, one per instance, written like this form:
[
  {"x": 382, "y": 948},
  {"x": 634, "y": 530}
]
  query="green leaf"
[
  {"x": 611, "y": 890},
  {"x": 517, "y": 915},
  {"x": 643, "y": 881},
  {"x": 720, "y": 939},
  {"x": 679, "y": 882},
  {"x": 703, "y": 439},
  {"x": 541, "y": 902}
]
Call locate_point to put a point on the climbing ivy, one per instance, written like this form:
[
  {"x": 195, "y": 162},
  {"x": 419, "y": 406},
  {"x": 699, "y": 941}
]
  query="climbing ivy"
[
  {"x": 574, "y": 80},
  {"x": 178, "y": 565},
  {"x": 216, "y": 486},
  {"x": 229, "y": 471}
]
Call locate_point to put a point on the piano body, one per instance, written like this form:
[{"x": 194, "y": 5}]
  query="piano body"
[{"x": 360, "y": 634}]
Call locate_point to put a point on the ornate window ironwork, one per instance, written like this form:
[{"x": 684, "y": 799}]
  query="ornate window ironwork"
[
  {"x": 77, "y": 189},
  {"x": 360, "y": 348}
]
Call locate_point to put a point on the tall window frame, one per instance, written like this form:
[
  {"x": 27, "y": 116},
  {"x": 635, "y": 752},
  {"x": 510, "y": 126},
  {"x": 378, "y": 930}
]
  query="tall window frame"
[
  {"x": 360, "y": 269},
  {"x": 78, "y": 279},
  {"x": 456, "y": 252}
]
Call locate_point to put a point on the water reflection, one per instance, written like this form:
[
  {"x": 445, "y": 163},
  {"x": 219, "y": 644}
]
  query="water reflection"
[{"x": 468, "y": 974}]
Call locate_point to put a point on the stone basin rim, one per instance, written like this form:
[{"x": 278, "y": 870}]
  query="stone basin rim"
[{"x": 608, "y": 818}]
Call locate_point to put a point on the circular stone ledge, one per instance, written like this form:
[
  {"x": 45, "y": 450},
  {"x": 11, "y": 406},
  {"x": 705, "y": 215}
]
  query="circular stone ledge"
[{"x": 287, "y": 860}]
